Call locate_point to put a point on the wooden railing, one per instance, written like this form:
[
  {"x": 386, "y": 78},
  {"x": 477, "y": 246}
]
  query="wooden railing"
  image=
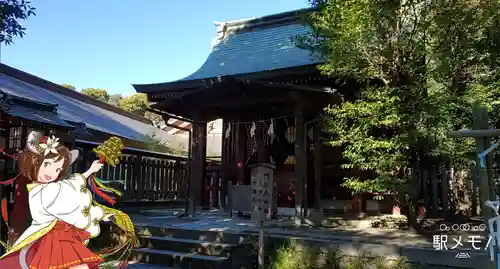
[
  {"x": 149, "y": 179},
  {"x": 149, "y": 176},
  {"x": 142, "y": 175}
]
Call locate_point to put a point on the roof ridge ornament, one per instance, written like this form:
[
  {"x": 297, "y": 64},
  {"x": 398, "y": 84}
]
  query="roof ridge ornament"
[{"x": 221, "y": 33}]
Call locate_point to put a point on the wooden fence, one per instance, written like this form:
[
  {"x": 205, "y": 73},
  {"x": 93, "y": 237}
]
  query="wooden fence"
[
  {"x": 142, "y": 175},
  {"x": 148, "y": 179},
  {"x": 445, "y": 191}
]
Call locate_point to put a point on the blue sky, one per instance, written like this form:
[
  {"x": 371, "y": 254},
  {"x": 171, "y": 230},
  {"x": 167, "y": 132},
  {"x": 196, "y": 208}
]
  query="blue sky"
[{"x": 115, "y": 43}]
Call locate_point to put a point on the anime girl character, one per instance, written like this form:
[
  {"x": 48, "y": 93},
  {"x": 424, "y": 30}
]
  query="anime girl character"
[{"x": 64, "y": 216}]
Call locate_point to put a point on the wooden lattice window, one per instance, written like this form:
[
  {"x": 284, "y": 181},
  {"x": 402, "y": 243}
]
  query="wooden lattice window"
[{"x": 15, "y": 137}]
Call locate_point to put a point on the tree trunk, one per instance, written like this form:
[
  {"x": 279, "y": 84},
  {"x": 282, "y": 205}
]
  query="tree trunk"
[{"x": 415, "y": 187}]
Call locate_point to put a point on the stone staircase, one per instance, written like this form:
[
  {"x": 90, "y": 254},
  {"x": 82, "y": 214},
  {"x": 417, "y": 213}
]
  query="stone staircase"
[
  {"x": 170, "y": 241},
  {"x": 172, "y": 248}
]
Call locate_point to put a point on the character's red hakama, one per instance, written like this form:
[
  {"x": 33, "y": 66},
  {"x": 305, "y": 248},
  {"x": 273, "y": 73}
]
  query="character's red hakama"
[{"x": 60, "y": 248}]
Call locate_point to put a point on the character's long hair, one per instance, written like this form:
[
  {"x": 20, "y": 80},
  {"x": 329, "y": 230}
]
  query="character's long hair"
[{"x": 29, "y": 164}]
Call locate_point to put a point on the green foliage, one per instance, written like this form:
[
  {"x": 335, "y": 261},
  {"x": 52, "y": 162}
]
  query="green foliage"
[
  {"x": 294, "y": 256},
  {"x": 363, "y": 149},
  {"x": 12, "y": 12},
  {"x": 136, "y": 103},
  {"x": 99, "y": 94},
  {"x": 419, "y": 66},
  {"x": 389, "y": 221},
  {"x": 69, "y": 86}
]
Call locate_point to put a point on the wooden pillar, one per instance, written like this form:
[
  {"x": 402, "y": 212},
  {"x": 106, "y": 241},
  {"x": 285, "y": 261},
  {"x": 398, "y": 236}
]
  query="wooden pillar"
[
  {"x": 446, "y": 174},
  {"x": 3, "y": 191},
  {"x": 425, "y": 187},
  {"x": 139, "y": 170},
  {"x": 480, "y": 121},
  {"x": 82, "y": 162},
  {"x": 475, "y": 208},
  {"x": 318, "y": 167},
  {"x": 435, "y": 194},
  {"x": 301, "y": 159},
  {"x": 241, "y": 153},
  {"x": 24, "y": 136},
  {"x": 260, "y": 140},
  {"x": 225, "y": 163},
  {"x": 199, "y": 154}
]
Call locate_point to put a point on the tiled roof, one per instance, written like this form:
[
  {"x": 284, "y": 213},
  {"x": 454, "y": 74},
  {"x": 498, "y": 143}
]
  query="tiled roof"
[
  {"x": 80, "y": 130},
  {"x": 33, "y": 111},
  {"x": 250, "y": 46},
  {"x": 78, "y": 110}
]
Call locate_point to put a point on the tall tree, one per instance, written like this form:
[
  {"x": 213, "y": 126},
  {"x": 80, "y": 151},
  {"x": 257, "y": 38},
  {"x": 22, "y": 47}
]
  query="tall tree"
[
  {"x": 372, "y": 41},
  {"x": 99, "y": 94},
  {"x": 12, "y": 12},
  {"x": 419, "y": 65}
]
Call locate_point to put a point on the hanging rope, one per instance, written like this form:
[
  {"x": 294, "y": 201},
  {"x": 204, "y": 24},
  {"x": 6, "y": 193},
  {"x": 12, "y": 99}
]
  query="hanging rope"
[{"x": 250, "y": 122}]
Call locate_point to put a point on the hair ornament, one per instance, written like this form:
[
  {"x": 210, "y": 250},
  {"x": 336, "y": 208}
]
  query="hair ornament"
[{"x": 48, "y": 145}]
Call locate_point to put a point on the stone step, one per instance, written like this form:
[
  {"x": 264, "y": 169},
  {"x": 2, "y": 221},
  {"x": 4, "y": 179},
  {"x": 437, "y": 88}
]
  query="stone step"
[
  {"x": 349, "y": 246},
  {"x": 186, "y": 245},
  {"x": 182, "y": 260},
  {"x": 193, "y": 234}
]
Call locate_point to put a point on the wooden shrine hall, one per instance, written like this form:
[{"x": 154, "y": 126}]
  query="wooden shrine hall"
[{"x": 270, "y": 96}]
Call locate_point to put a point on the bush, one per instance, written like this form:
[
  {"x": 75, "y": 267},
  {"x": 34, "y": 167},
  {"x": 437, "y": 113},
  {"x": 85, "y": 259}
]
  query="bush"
[
  {"x": 388, "y": 221},
  {"x": 293, "y": 256}
]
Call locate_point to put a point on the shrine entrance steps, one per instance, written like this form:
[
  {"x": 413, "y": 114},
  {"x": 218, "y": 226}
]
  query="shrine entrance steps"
[
  {"x": 172, "y": 248},
  {"x": 211, "y": 240}
]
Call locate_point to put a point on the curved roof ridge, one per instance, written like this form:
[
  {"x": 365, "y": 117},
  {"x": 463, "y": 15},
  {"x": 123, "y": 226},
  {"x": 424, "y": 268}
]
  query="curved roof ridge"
[
  {"x": 259, "y": 21},
  {"x": 224, "y": 29}
]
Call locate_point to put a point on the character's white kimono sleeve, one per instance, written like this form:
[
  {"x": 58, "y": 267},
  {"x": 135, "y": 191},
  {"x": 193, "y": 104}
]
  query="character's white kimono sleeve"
[{"x": 69, "y": 200}]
